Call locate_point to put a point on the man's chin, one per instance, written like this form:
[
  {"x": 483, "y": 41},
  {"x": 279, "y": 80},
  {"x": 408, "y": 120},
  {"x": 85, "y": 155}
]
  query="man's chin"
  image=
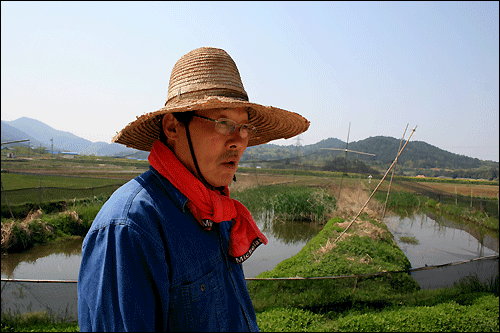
[{"x": 222, "y": 181}]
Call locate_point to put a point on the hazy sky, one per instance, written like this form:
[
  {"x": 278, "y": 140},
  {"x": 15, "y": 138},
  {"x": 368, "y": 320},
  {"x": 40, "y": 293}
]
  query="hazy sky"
[{"x": 91, "y": 67}]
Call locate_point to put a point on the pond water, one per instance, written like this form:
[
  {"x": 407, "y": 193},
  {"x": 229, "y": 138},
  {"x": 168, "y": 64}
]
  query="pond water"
[
  {"x": 61, "y": 261},
  {"x": 439, "y": 242}
]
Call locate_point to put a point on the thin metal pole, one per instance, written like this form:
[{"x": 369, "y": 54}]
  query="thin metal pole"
[
  {"x": 376, "y": 188},
  {"x": 392, "y": 175},
  {"x": 39, "y": 281}
]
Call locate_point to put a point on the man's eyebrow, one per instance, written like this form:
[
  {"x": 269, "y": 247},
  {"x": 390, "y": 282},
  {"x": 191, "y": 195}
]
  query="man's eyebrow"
[{"x": 225, "y": 115}]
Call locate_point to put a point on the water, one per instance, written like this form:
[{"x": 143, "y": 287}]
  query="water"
[
  {"x": 441, "y": 241},
  {"x": 285, "y": 239},
  {"x": 61, "y": 261}
]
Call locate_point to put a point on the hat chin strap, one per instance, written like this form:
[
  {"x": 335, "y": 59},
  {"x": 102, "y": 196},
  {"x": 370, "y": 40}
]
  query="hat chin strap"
[{"x": 203, "y": 180}]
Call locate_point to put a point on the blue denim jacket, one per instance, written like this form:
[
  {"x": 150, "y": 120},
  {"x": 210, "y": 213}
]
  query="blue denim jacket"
[{"x": 148, "y": 265}]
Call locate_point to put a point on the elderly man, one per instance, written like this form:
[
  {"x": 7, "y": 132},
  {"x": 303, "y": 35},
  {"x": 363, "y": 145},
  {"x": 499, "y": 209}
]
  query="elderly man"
[{"x": 165, "y": 251}]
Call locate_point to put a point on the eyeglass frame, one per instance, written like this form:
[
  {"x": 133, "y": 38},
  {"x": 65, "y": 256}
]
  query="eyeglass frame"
[{"x": 251, "y": 128}]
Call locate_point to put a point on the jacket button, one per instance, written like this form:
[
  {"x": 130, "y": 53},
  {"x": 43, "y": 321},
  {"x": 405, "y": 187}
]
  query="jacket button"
[{"x": 202, "y": 287}]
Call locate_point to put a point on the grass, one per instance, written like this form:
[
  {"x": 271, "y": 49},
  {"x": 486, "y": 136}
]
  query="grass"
[
  {"x": 12, "y": 181},
  {"x": 36, "y": 322},
  {"x": 371, "y": 304},
  {"x": 481, "y": 316},
  {"x": 383, "y": 303},
  {"x": 39, "y": 227},
  {"x": 26, "y": 191},
  {"x": 405, "y": 203},
  {"x": 409, "y": 240},
  {"x": 367, "y": 248},
  {"x": 288, "y": 203},
  {"x": 463, "y": 213}
]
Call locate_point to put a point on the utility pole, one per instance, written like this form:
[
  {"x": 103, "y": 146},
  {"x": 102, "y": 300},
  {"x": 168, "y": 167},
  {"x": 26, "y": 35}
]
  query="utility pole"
[
  {"x": 52, "y": 140},
  {"x": 298, "y": 145}
]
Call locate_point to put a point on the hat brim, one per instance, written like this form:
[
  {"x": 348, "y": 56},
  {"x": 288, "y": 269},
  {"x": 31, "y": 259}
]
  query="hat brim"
[{"x": 272, "y": 123}]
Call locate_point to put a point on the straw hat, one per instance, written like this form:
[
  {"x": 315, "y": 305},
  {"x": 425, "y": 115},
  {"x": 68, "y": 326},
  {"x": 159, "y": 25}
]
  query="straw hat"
[{"x": 207, "y": 78}]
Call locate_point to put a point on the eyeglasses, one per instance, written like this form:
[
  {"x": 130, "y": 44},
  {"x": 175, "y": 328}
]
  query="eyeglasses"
[{"x": 228, "y": 126}]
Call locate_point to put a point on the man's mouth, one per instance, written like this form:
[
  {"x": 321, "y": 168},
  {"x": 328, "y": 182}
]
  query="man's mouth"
[
  {"x": 230, "y": 159},
  {"x": 229, "y": 163}
]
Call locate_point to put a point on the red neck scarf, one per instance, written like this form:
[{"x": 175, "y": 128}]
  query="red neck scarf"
[{"x": 209, "y": 206}]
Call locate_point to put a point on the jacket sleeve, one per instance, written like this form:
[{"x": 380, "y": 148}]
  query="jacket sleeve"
[{"x": 123, "y": 282}]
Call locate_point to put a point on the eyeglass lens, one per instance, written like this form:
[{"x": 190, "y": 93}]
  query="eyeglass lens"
[{"x": 227, "y": 126}]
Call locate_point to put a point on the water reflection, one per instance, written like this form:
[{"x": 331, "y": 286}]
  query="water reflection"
[
  {"x": 61, "y": 260},
  {"x": 440, "y": 240},
  {"x": 286, "y": 239},
  {"x": 287, "y": 232},
  {"x": 56, "y": 261}
]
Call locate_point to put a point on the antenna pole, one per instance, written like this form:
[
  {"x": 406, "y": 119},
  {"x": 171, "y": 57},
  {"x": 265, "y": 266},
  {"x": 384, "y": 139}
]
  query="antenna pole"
[
  {"x": 376, "y": 188},
  {"x": 392, "y": 175}
]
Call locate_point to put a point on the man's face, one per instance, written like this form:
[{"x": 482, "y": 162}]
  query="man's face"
[{"x": 217, "y": 154}]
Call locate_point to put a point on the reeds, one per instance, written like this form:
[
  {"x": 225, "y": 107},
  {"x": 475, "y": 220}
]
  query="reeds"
[
  {"x": 39, "y": 227},
  {"x": 289, "y": 203}
]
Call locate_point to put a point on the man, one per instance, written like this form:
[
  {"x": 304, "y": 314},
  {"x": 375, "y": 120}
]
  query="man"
[{"x": 165, "y": 251}]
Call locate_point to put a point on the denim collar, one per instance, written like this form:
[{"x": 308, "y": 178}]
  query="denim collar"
[{"x": 179, "y": 199}]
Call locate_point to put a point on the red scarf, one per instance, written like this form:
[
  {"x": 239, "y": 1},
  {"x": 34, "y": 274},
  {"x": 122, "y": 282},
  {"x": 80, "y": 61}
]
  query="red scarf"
[{"x": 209, "y": 206}]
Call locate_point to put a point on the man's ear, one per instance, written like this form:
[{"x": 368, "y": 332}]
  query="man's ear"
[{"x": 170, "y": 126}]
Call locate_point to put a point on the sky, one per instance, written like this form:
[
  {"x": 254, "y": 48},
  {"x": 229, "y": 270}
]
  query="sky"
[{"x": 90, "y": 68}]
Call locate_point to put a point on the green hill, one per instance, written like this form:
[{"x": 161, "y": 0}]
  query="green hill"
[{"x": 417, "y": 158}]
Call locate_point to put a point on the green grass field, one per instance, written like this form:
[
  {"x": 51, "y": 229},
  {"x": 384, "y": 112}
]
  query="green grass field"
[{"x": 11, "y": 181}]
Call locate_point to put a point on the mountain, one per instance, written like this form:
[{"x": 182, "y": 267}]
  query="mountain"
[
  {"x": 417, "y": 154},
  {"x": 42, "y": 134},
  {"x": 419, "y": 157},
  {"x": 10, "y": 133}
]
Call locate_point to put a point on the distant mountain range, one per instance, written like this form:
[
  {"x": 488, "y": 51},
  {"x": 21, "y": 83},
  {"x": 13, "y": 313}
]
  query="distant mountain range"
[
  {"x": 41, "y": 135},
  {"x": 417, "y": 154}
]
